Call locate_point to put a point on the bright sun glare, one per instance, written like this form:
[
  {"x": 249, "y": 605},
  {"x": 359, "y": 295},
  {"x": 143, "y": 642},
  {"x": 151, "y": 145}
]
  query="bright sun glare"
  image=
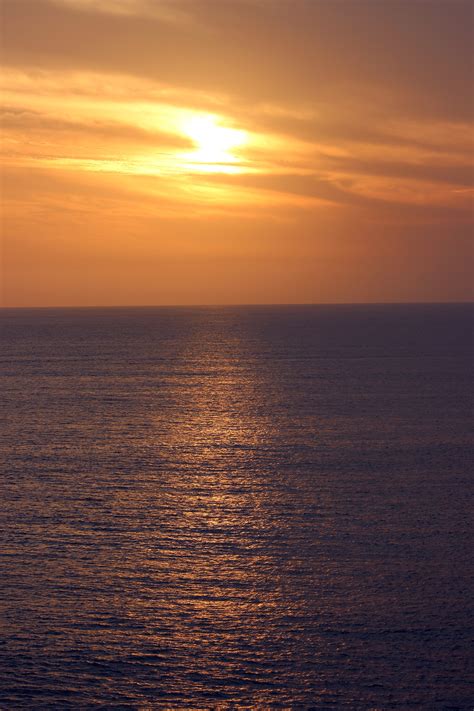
[{"x": 214, "y": 144}]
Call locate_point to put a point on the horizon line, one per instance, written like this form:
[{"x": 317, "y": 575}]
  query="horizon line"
[{"x": 238, "y": 305}]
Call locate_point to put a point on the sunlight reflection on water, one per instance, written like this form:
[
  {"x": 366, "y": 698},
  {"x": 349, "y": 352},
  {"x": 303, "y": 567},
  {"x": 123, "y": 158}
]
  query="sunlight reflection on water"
[{"x": 225, "y": 508}]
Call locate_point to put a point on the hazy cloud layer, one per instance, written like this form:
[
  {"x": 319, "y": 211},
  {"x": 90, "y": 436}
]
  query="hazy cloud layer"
[{"x": 359, "y": 123}]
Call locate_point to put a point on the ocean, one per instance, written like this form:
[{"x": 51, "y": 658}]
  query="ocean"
[{"x": 237, "y": 507}]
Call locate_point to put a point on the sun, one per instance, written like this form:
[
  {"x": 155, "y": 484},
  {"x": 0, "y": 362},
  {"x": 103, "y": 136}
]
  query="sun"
[{"x": 214, "y": 144}]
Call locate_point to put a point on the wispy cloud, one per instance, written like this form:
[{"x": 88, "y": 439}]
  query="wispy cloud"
[
  {"x": 162, "y": 10},
  {"x": 354, "y": 116}
]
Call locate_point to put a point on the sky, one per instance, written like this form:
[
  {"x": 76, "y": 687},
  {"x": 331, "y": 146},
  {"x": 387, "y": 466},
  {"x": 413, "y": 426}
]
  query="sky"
[{"x": 236, "y": 151}]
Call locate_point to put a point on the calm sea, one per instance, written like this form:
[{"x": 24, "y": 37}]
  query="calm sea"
[{"x": 225, "y": 508}]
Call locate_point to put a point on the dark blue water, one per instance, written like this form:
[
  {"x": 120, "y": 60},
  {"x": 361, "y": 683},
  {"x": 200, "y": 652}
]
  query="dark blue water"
[{"x": 223, "y": 508}]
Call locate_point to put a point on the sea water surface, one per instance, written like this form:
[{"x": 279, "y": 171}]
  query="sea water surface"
[{"x": 241, "y": 507}]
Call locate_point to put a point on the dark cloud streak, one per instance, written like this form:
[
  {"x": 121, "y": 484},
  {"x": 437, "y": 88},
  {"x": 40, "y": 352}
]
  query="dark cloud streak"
[{"x": 417, "y": 53}]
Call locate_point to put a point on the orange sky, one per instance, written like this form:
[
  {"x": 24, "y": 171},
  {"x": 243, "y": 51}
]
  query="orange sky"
[{"x": 236, "y": 151}]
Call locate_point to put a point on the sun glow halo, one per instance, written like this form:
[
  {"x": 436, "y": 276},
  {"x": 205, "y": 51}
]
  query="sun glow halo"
[{"x": 214, "y": 144}]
